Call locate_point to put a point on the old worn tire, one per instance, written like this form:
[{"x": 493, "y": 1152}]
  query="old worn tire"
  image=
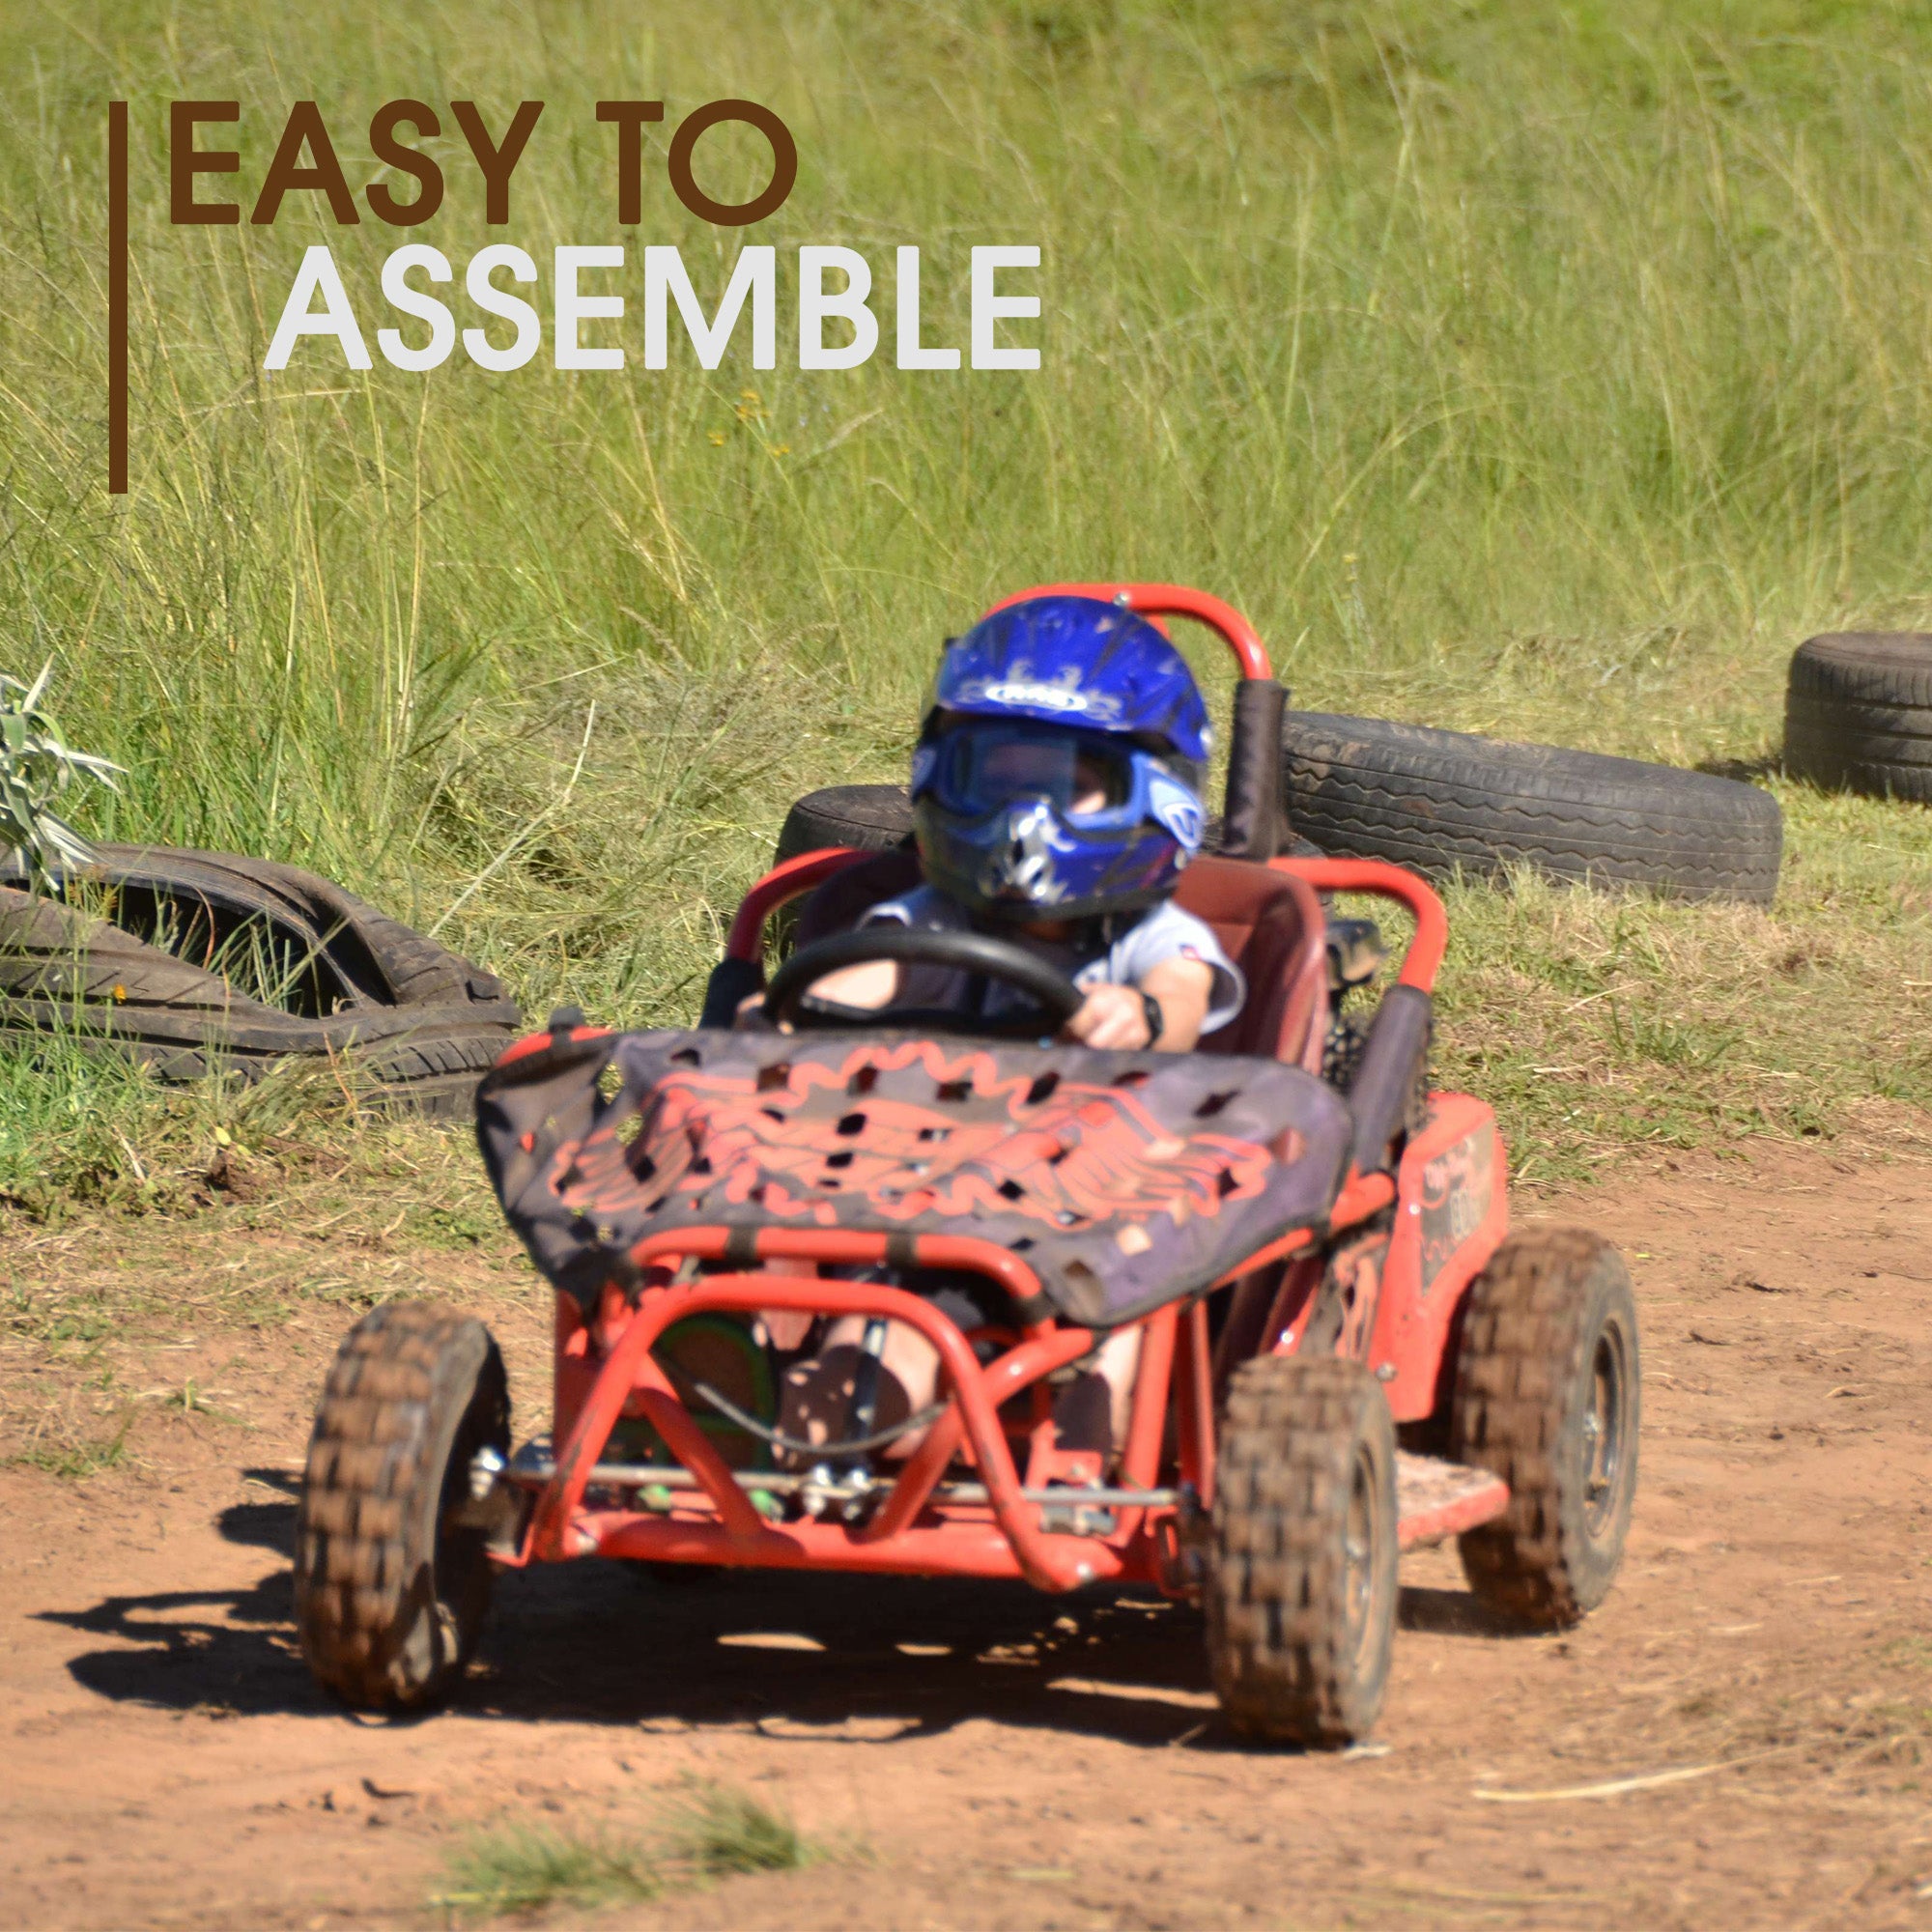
[
  {"x": 1438, "y": 801},
  {"x": 1549, "y": 1395},
  {"x": 1858, "y": 713},
  {"x": 414, "y": 1025},
  {"x": 869, "y": 818},
  {"x": 1302, "y": 1591},
  {"x": 390, "y": 1593}
]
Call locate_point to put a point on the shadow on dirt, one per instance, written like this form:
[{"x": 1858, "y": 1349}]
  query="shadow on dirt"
[
  {"x": 1457, "y": 1613},
  {"x": 799, "y": 1657}
]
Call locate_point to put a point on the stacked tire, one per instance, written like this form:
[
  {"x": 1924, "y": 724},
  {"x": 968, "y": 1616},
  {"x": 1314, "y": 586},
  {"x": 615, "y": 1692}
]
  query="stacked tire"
[
  {"x": 1858, "y": 713},
  {"x": 414, "y": 1025},
  {"x": 867, "y": 817}
]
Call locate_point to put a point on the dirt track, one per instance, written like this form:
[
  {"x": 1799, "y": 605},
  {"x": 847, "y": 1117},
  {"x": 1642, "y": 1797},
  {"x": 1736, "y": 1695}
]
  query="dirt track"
[{"x": 1059, "y": 1764}]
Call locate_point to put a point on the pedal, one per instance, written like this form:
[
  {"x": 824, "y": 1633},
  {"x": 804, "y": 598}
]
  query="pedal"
[{"x": 1435, "y": 1498}]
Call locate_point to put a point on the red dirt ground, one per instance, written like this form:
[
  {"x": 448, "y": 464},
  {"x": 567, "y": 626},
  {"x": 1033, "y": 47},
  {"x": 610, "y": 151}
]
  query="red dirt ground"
[{"x": 1010, "y": 1761}]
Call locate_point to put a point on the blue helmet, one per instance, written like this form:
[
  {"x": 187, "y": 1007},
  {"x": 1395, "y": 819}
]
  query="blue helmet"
[{"x": 1059, "y": 771}]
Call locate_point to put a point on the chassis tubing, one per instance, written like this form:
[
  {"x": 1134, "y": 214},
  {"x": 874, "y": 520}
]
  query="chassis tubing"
[
  {"x": 975, "y": 1395},
  {"x": 1419, "y": 967},
  {"x": 1389, "y": 882},
  {"x": 952, "y": 1549},
  {"x": 786, "y": 881},
  {"x": 847, "y": 1244},
  {"x": 971, "y": 1418}
]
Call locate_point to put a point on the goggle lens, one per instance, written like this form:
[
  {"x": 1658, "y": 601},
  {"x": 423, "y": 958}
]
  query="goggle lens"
[{"x": 982, "y": 768}]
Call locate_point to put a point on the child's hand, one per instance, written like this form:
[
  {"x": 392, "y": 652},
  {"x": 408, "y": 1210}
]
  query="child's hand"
[
  {"x": 1115, "y": 1017},
  {"x": 1111, "y": 1017}
]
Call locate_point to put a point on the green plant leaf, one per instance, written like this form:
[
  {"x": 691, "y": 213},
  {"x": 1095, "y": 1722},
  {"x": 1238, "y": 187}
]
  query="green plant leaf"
[{"x": 36, "y": 767}]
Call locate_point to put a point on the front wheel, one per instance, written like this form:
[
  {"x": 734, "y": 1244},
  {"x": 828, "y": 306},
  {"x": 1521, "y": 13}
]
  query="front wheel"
[
  {"x": 1301, "y": 1599},
  {"x": 1548, "y": 1396},
  {"x": 391, "y": 1582}
]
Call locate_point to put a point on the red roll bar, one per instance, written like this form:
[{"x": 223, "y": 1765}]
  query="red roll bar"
[
  {"x": 1168, "y": 600},
  {"x": 1389, "y": 882},
  {"x": 786, "y": 881}
]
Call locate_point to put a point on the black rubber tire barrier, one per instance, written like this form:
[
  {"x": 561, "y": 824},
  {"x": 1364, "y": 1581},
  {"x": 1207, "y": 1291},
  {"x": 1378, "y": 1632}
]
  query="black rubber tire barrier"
[
  {"x": 1436, "y": 801},
  {"x": 390, "y": 1596},
  {"x": 1524, "y": 1378},
  {"x": 1286, "y": 1665},
  {"x": 1858, "y": 713},
  {"x": 414, "y": 1025},
  {"x": 869, "y": 818}
]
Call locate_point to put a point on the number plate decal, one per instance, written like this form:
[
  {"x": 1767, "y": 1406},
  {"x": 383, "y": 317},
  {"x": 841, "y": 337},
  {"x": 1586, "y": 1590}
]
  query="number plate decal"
[{"x": 1457, "y": 1188}]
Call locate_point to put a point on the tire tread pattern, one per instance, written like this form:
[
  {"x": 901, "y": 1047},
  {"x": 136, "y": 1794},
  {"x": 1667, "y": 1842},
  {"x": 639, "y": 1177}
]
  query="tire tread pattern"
[
  {"x": 1438, "y": 800},
  {"x": 1858, "y": 713},
  {"x": 1276, "y": 1622},
  {"x": 1522, "y": 1348},
  {"x": 365, "y": 1569}
]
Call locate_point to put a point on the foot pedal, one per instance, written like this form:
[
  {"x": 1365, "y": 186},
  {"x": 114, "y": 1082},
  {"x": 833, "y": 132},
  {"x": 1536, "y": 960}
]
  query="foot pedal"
[{"x": 1435, "y": 1498}]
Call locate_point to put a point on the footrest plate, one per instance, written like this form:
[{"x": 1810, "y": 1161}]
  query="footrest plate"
[{"x": 1435, "y": 1498}]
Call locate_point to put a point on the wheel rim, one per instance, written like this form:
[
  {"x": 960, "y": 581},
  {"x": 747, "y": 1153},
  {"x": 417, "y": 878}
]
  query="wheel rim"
[
  {"x": 1359, "y": 1537},
  {"x": 1606, "y": 1423},
  {"x": 460, "y": 1573}
]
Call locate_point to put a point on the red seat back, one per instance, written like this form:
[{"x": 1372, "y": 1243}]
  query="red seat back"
[
  {"x": 848, "y": 895},
  {"x": 1270, "y": 924}
]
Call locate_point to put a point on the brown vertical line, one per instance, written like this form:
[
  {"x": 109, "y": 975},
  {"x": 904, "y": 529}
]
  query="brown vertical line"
[{"x": 117, "y": 298}]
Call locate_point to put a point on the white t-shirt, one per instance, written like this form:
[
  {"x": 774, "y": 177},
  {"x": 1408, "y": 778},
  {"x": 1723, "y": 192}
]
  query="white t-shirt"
[{"x": 1162, "y": 932}]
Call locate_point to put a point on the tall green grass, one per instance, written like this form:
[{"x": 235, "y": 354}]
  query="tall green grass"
[{"x": 1546, "y": 369}]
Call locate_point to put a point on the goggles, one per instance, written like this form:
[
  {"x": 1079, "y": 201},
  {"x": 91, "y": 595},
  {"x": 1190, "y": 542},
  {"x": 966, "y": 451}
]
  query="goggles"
[
  {"x": 1094, "y": 782},
  {"x": 980, "y": 767}
]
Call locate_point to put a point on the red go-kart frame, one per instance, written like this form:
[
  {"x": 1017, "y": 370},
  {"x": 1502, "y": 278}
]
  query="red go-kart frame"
[{"x": 1448, "y": 1197}]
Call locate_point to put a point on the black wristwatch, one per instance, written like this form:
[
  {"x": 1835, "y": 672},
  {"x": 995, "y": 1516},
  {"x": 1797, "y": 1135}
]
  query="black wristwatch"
[{"x": 1155, "y": 1021}]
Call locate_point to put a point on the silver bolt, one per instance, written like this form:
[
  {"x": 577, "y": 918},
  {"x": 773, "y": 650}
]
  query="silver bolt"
[{"x": 485, "y": 1467}]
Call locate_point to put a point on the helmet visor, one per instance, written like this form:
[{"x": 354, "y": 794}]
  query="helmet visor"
[{"x": 980, "y": 767}]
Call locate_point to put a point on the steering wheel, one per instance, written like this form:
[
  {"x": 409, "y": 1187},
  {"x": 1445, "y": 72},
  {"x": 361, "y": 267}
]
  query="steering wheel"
[{"x": 1056, "y": 998}]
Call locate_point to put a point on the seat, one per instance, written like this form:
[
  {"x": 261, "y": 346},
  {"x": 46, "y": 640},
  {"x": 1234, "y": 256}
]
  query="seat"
[
  {"x": 847, "y": 896},
  {"x": 1269, "y": 923}
]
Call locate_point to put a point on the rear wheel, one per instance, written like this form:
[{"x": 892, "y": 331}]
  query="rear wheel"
[
  {"x": 391, "y": 1584},
  {"x": 1548, "y": 1389},
  {"x": 1301, "y": 1597}
]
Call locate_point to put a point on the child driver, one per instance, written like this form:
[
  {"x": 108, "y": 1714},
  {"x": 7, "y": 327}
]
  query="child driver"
[{"x": 1056, "y": 799}]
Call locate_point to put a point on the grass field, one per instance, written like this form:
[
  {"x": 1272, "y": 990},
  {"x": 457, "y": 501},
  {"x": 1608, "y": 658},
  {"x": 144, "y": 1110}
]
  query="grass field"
[{"x": 1548, "y": 370}]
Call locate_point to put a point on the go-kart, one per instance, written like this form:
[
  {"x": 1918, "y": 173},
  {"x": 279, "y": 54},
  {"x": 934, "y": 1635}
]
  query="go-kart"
[{"x": 1341, "y": 1354}]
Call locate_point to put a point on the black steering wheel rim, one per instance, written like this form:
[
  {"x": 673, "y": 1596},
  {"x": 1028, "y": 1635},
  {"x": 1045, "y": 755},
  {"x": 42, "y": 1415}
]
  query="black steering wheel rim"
[{"x": 1055, "y": 996}]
